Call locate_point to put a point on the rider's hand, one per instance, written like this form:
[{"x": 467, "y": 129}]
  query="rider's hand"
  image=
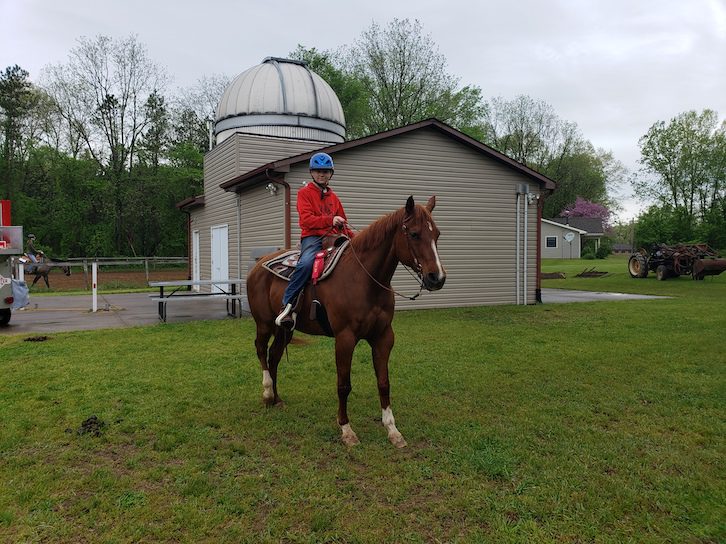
[{"x": 338, "y": 221}]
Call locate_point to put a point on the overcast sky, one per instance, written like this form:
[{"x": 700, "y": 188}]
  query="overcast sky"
[{"x": 614, "y": 67}]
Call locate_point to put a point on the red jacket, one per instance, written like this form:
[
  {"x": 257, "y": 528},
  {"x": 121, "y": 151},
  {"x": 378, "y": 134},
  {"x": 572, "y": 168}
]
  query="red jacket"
[{"x": 316, "y": 210}]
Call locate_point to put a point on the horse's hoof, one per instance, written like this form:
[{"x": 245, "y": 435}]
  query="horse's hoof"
[
  {"x": 398, "y": 440},
  {"x": 349, "y": 437},
  {"x": 351, "y": 440}
]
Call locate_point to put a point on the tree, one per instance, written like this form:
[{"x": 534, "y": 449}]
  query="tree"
[
  {"x": 686, "y": 158},
  {"x": 349, "y": 89},
  {"x": 195, "y": 107},
  {"x": 405, "y": 79},
  {"x": 585, "y": 208},
  {"x": 155, "y": 138},
  {"x": 530, "y": 132},
  {"x": 684, "y": 171},
  {"x": 663, "y": 224},
  {"x": 16, "y": 102},
  {"x": 103, "y": 92}
]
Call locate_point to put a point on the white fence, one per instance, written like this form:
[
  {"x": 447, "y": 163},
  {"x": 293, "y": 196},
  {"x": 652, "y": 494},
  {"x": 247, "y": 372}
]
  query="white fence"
[{"x": 94, "y": 262}]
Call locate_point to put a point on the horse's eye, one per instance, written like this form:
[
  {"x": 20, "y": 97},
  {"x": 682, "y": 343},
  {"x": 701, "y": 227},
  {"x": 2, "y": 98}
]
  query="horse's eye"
[{"x": 414, "y": 235}]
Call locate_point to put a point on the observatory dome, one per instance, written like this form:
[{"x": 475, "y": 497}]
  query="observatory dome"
[{"x": 280, "y": 97}]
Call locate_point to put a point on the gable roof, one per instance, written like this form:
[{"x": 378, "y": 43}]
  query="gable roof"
[
  {"x": 252, "y": 177},
  {"x": 563, "y": 226},
  {"x": 593, "y": 225}
]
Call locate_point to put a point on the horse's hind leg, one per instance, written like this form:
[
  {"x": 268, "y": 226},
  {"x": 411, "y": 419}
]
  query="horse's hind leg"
[
  {"x": 269, "y": 361},
  {"x": 282, "y": 339},
  {"x": 261, "y": 341}
]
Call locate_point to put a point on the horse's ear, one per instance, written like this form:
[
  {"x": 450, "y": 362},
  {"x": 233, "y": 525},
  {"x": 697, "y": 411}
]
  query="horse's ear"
[
  {"x": 409, "y": 205},
  {"x": 431, "y": 204}
]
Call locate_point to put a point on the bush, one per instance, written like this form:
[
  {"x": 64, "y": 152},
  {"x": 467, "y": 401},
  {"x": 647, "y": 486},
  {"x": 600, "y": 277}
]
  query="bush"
[
  {"x": 605, "y": 249},
  {"x": 588, "y": 253}
]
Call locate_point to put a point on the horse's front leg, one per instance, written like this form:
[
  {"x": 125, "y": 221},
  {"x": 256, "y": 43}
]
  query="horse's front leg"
[
  {"x": 344, "y": 346},
  {"x": 381, "y": 348}
]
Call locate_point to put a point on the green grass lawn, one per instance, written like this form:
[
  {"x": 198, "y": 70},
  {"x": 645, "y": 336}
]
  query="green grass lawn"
[
  {"x": 618, "y": 279},
  {"x": 585, "y": 422}
]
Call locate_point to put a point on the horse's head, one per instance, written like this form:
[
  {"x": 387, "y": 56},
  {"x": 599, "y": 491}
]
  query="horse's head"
[
  {"x": 417, "y": 244},
  {"x": 66, "y": 270}
]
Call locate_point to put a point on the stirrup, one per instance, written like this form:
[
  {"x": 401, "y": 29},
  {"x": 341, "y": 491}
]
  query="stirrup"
[{"x": 287, "y": 317}]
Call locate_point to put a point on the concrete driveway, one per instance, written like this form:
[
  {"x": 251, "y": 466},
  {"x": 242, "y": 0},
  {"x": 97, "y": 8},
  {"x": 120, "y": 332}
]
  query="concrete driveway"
[
  {"x": 47, "y": 314},
  {"x": 552, "y": 296}
]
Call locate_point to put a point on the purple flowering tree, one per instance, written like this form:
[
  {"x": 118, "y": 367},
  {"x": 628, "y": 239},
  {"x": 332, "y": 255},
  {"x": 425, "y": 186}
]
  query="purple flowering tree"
[{"x": 585, "y": 208}]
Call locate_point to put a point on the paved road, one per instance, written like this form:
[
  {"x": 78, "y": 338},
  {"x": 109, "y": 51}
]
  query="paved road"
[
  {"x": 73, "y": 313},
  {"x": 48, "y": 314}
]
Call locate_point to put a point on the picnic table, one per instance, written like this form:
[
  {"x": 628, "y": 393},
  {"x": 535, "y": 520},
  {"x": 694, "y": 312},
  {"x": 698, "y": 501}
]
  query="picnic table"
[{"x": 226, "y": 289}]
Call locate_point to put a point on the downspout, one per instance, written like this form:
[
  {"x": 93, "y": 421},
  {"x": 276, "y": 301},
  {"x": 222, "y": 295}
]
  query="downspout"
[
  {"x": 538, "y": 289},
  {"x": 527, "y": 202},
  {"x": 519, "y": 198},
  {"x": 239, "y": 235},
  {"x": 189, "y": 244},
  {"x": 288, "y": 198},
  {"x": 522, "y": 196}
]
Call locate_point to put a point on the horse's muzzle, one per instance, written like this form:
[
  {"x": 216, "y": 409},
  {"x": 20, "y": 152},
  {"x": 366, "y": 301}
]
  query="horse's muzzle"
[{"x": 433, "y": 282}]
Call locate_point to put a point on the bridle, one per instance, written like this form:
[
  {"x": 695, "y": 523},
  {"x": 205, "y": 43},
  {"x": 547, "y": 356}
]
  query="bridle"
[{"x": 418, "y": 268}]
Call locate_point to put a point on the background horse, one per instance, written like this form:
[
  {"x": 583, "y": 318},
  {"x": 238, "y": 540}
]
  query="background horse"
[
  {"x": 359, "y": 303},
  {"x": 43, "y": 268}
]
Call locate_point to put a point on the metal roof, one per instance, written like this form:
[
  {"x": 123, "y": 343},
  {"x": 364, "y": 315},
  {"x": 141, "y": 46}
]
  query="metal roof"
[
  {"x": 280, "y": 93},
  {"x": 592, "y": 225},
  {"x": 563, "y": 226}
]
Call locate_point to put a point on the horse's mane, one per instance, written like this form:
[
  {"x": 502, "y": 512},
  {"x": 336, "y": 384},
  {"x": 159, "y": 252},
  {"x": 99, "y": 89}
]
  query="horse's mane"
[{"x": 378, "y": 232}]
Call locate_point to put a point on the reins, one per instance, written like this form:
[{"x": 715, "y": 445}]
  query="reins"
[{"x": 416, "y": 277}]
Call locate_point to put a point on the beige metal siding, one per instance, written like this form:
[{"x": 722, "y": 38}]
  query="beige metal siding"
[
  {"x": 235, "y": 156},
  {"x": 475, "y": 211},
  {"x": 263, "y": 220}
]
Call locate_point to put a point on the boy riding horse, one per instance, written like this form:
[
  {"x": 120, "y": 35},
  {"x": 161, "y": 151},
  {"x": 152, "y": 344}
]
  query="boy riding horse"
[{"x": 320, "y": 212}]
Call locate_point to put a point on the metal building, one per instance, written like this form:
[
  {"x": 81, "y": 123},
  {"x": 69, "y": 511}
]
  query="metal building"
[{"x": 488, "y": 206}]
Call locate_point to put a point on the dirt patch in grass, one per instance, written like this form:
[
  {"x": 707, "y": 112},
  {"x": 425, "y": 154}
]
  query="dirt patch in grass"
[{"x": 92, "y": 426}]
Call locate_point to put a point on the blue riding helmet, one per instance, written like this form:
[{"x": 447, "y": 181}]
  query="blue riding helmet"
[{"x": 321, "y": 161}]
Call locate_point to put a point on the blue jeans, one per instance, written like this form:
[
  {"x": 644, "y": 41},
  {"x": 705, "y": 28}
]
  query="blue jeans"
[{"x": 309, "y": 246}]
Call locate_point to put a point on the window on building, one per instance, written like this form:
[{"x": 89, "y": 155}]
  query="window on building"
[{"x": 551, "y": 241}]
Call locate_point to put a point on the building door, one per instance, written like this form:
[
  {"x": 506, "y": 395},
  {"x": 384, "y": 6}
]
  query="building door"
[
  {"x": 220, "y": 257},
  {"x": 196, "y": 267}
]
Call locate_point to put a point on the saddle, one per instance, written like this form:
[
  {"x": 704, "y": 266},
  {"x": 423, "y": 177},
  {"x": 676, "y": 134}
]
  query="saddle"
[
  {"x": 30, "y": 266},
  {"x": 284, "y": 264}
]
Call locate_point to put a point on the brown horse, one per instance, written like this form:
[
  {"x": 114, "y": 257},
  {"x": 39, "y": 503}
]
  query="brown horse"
[
  {"x": 43, "y": 268},
  {"x": 359, "y": 304}
]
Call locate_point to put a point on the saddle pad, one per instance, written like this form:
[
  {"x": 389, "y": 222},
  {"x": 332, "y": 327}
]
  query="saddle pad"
[{"x": 284, "y": 264}]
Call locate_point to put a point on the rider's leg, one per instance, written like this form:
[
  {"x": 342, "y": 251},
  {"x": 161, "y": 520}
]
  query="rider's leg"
[{"x": 309, "y": 246}]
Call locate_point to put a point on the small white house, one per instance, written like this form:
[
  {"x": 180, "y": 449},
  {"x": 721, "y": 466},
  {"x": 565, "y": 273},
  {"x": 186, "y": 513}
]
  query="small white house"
[{"x": 561, "y": 241}]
